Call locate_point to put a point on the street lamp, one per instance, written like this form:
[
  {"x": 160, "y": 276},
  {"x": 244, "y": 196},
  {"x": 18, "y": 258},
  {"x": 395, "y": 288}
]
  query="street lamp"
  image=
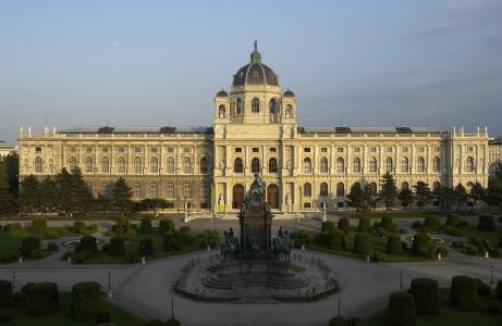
[
  {"x": 401, "y": 275},
  {"x": 491, "y": 277},
  {"x": 172, "y": 311},
  {"x": 110, "y": 284},
  {"x": 339, "y": 307},
  {"x": 13, "y": 281},
  {"x": 186, "y": 209}
]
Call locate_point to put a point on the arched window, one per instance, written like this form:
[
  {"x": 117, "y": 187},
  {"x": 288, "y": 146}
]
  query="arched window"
[
  {"x": 307, "y": 166},
  {"x": 154, "y": 190},
  {"x": 272, "y": 165},
  {"x": 420, "y": 165},
  {"x": 340, "y": 189},
  {"x": 289, "y": 111},
  {"x": 187, "y": 190},
  {"x": 138, "y": 166},
  {"x": 122, "y": 165},
  {"x": 373, "y": 164},
  {"x": 274, "y": 110},
  {"x": 340, "y": 165},
  {"x": 255, "y": 105},
  {"x": 89, "y": 165},
  {"x": 204, "y": 165},
  {"x": 137, "y": 190},
  {"x": 307, "y": 190},
  {"x": 255, "y": 165},
  {"x": 324, "y": 165},
  {"x": 373, "y": 188},
  {"x": 221, "y": 111},
  {"x": 105, "y": 190},
  {"x": 238, "y": 108},
  {"x": 469, "y": 165},
  {"x": 389, "y": 166},
  {"x": 39, "y": 165},
  {"x": 436, "y": 164},
  {"x": 105, "y": 165},
  {"x": 405, "y": 165},
  {"x": 154, "y": 165},
  {"x": 73, "y": 163},
  {"x": 170, "y": 191},
  {"x": 170, "y": 165},
  {"x": 323, "y": 190},
  {"x": 357, "y": 165},
  {"x": 238, "y": 168},
  {"x": 187, "y": 165},
  {"x": 405, "y": 185}
]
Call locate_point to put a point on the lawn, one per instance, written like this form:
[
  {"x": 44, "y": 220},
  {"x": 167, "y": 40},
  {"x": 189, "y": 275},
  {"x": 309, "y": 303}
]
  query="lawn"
[
  {"x": 61, "y": 317},
  {"x": 448, "y": 315}
]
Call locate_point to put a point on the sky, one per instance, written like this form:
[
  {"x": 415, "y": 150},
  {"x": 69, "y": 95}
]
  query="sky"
[{"x": 429, "y": 63}]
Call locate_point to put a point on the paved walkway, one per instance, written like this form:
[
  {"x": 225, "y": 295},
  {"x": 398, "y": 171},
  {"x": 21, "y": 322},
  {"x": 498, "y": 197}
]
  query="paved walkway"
[{"x": 147, "y": 289}]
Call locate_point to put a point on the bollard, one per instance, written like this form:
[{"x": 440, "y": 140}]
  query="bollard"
[
  {"x": 143, "y": 261},
  {"x": 487, "y": 255},
  {"x": 208, "y": 248},
  {"x": 368, "y": 259},
  {"x": 69, "y": 260},
  {"x": 303, "y": 247},
  {"x": 439, "y": 256},
  {"x": 20, "y": 260}
]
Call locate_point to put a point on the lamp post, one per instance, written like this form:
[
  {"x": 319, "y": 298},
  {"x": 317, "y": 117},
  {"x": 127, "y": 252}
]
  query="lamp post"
[
  {"x": 185, "y": 206},
  {"x": 13, "y": 281},
  {"x": 401, "y": 283},
  {"x": 172, "y": 311},
  {"x": 491, "y": 277},
  {"x": 339, "y": 307},
  {"x": 110, "y": 284}
]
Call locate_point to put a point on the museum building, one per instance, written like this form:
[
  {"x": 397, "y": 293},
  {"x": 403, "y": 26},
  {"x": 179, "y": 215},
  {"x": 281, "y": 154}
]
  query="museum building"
[{"x": 255, "y": 131}]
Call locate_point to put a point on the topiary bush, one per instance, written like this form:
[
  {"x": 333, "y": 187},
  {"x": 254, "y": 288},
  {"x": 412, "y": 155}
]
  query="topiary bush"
[
  {"x": 486, "y": 223},
  {"x": 327, "y": 226},
  {"x": 463, "y": 292},
  {"x": 336, "y": 240},
  {"x": 426, "y": 294},
  {"x": 416, "y": 225},
  {"x": 145, "y": 247},
  {"x": 362, "y": 244},
  {"x": 117, "y": 247},
  {"x": 387, "y": 223},
  {"x": 172, "y": 322},
  {"x": 344, "y": 225},
  {"x": 498, "y": 291},
  {"x": 394, "y": 245},
  {"x": 338, "y": 321},
  {"x": 421, "y": 242},
  {"x": 495, "y": 307},
  {"x": 453, "y": 220},
  {"x": 6, "y": 297},
  {"x": 356, "y": 321},
  {"x": 166, "y": 225},
  {"x": 29, "y": 244},
  {"x": 482, "y": 288},
  {"x": 103, "y": 317},
  {"x": 86, "y": 300},
  {"x": 87, "y": 243},
  {"x": 189, "y": 236},
  {"x": 173, "y": 241},
  {"x": 302, "y": 237},
  {"x": 145, "y": 226},
  {"x": 42, "y": 298},
  {"x": 433, "y": 223},
  {"x": 364, "y": 225},
  {"x": 401, "y": 309},
  {"x": 52, "y": 246},
  {"x": 38, "y": 225},
  {"x": 78, "y": 227},
  {"x": 9, "y": 227},
  {"x": 499, "y": 241}
]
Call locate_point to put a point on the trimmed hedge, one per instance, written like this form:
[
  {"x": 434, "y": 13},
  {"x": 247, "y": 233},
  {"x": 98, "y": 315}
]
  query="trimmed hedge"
[
  {"x": 166, "y": 225},
  {"x": 327, "y": 226},
  {"x": 38, "y": 225},
  {"x": 486, "y": 223},
  {"x": 344, "y": 224},
  {"x": 482, "y": 288},
  {"x": 433, "y": 223},
  {"x": 426, "y": 294},
  {"x": 86, "y": 300},
  {"x": 498, "y": 291},
  {"x": 145, "y": 226},
  {"x": 117, "y": 247},
  {"x": 42, "y": 298},
  {"x": 362, "y": 244},
  {"x": 336, "y": 240},
  {"x": 6, "y": 297},
  {"x": 338, "y": 321},
  {"x": 154, "y": 322},
  {"x": 29, "y": 244},
  {"x": 173, "y": 241},
  {"x": 387, "y": 223},
  {"x": 463, "y": 292},
  {"x": 499, "y": 241},
  {"x": 87, "y": 243},
  {"x": 145, "y": 247},
  {"x": 394, "y": 245},
  {"x": 495, "y": 307},
  {"x": 453, "y": 220},
  {"x": 401, "y": 310},
  {"x": 364, "y": 225},
  {"x": 421, "y": 241},
  {"x": 172, "y": 322}
]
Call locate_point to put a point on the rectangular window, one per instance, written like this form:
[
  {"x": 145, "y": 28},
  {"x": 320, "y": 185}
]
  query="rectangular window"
[
  {"x": 306, "y": 149},
  {"x": 38, "y": 149},
  {"x": 154, "y": 149},
  {"x": 121, "y": 149},
  {"x": 73, "y": 149},
  {"x": 238, "y": 149},
  {"x": 306, "y": 205},
  {"x": 389, "y": 149},
  {"x": 170, "y": 149},
  {"x": 357, "y": 150},
  {"x": 470, "y": 149},
  {"x": 137, "y": 149},
  {"x": 339, "y": 149},
  {"x": 256, "y": 150},
  {"x": 273, "y": 149},
  {"x": 404, "y": 149},
  {"x": 104, "y": 149},
  {"x": 420, "y": 149},
  {"x": 187, "y": 149},
  {"x": 324, "y": 150},
  {"x": 373, "y": 149},
  {"x": 88, "y": 149}
]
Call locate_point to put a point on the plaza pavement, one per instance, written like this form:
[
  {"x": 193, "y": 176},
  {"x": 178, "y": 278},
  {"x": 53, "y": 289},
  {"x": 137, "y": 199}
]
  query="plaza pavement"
[{"x": 147, "y": 289}]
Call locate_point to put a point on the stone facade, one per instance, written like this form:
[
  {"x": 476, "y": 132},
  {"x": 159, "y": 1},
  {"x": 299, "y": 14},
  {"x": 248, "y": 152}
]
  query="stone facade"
[{"x": 255, "y": 130}]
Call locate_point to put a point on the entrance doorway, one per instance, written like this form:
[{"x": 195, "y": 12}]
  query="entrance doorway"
[
  {"x": 273, "y": 196},
  {"x": 237, "y": 196}
]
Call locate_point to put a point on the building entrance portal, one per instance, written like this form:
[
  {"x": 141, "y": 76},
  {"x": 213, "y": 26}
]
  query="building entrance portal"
[
  {"x": 273, "y": 196},
  {"x": 237, "y": 196}
]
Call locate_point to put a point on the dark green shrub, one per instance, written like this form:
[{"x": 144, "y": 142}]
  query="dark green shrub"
[
  {"x": 452, "y": 220},
  {"x": 462, "y": 223},
  {"x": 87, "y": 243},
  {"x": 377, "y": 257},
  {"x": 302, "y": 237},
  {"x": 401, "y": 309},
  {"x": 364, "y": 225},
  {"x": 145, "y": 247},
  {"x": 52, "y": 246},
  {"x": 463, "y": 292},
  {"x": 327, "y": 226},
  {"x": 498, "y": 291},
  {"x": 356, "y": 321},
  {"x": 443, "y": 251},
  {"x": 154, "y": 322},
  {"x": 495, "y": 307},
  {"x": 344, "y": 224},
  {"x": 172, "y": 322},
  {"x": 322, "y": 239},
  {"x": 5, "y": 316},
  {"x": 472, "y": 250},
  {"x": 499, "y": 241},
  {"x": 338, "y": 321},
  {"x": 78, "y": 227},
  {"x": 106, "y": 247},
  {"x": 416, "y": 225},
  {"x": 42, "y": 298},
  {"x": 103, "y": 317},
  {"x": 482, "y": 288},
  {"x": 394, "y": 246},
  {"x": 85, "y": 300},
  {"x": 9, "y": 227},
  {"x": 145, "y": 226},
  {"x": 173, "y": 241},
  {"x": 166, "y": 225},
  {"x": 80, "y": 257},
  {"x": 433, "y": 223},
  {"x": 362, "y": 244},
  {"x": 421, "y": 241},
  {"x": 478, "y": 243},
  {"x": 426, "y": 294},
  {"x": 5, "y": 293},
  {"x": 387, "y": 223},
  {"x": 29, "y": 244},
  {"x": 117, "y": 247},
  {"x": 36, "y": 254},
  {"x": 189, "y": 236},
  {"x": 486, "y": 223},
  {"x": 336, "y": 240},
  {"x": 38, "y": 225},
  {"x": 122, "y": 226}
]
